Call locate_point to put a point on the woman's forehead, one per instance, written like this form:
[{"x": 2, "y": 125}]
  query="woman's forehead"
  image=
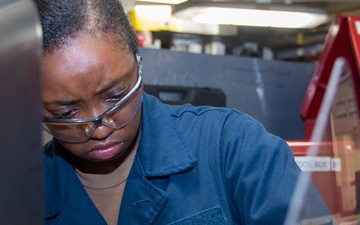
[
  {"x": 85, "y": 64},
  {"x": 85, "y": 54}
]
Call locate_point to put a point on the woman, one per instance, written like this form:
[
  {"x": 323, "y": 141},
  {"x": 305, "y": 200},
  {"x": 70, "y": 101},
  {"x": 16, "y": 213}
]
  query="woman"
[{"x": 120, "y": 156}]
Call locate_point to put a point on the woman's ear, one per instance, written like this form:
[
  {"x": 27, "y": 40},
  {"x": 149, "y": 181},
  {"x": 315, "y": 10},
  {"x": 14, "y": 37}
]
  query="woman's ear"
[{"x": 142, "y": 88}]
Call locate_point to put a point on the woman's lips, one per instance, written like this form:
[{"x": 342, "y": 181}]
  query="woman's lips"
[{"x": 109, "y": 152}]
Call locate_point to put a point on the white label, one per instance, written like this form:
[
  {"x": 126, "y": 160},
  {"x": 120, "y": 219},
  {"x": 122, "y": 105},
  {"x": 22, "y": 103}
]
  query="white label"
[
  {"x": 336, "y": 164},
  {"x": 357, "y": 25},
  {"x": 318, "y": 163}
]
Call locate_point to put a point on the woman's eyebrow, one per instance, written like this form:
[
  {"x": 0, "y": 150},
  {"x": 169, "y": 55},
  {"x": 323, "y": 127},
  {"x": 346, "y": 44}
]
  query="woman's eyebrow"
[
  {"x": 108, "y": 86},
  {"x": 62, "y": 102},
  {"x": 112, "y": 84}
]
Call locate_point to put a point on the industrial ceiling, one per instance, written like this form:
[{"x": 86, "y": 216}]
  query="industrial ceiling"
[{"x": 282, "y": 39}]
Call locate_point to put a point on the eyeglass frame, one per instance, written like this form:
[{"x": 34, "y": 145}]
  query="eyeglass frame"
[{"x": 98, "y": 119}]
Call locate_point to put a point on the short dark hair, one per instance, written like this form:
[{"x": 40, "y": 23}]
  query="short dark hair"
[{"x": 63, "y": 20}]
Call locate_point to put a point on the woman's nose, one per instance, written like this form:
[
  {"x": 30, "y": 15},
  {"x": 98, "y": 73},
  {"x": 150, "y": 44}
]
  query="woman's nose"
[
  {"x": 95, "y": 111},
  {"x": 101, "y": 132},
  {"x": 104, "y": 127}
]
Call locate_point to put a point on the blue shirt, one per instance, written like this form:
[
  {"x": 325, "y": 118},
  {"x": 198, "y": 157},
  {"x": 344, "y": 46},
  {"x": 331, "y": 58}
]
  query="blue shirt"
[{"x": 194, "y": 165}]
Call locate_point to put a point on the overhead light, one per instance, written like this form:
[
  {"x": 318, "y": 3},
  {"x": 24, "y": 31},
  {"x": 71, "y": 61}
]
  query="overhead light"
[
  {"x": 251, "y": 17},
  {"x": 171, "y": 2},
  {"x": 152, "y": 17}
]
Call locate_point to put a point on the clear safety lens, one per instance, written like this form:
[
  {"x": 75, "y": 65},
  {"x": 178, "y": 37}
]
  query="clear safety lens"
[{"x": 82, "y": 131}]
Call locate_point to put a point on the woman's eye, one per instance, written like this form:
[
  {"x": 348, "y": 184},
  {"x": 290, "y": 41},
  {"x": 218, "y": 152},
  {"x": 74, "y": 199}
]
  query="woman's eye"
[
  {"x": 66, "y": 115},
  {"x": 115, "y": 98}
]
